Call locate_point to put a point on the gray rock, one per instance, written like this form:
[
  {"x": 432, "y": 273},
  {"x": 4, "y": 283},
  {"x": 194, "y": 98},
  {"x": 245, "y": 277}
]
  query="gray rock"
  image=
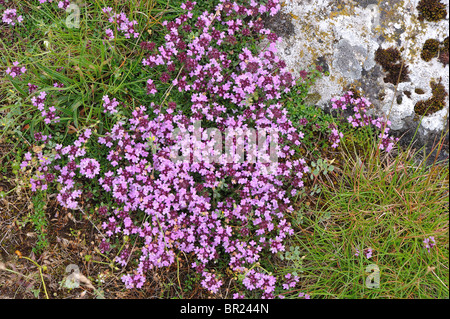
[{"x": 343, "y": 35}]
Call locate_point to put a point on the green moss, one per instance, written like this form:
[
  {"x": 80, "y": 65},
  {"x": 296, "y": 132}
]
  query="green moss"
[
  {"x": 391, "y": 61},
  {"x": 433, "y": 48},
  {"x": 433, "y": 104},
  {"x": 443, "y": 55},
  {"x": 431, "y": 10},
  {"x": 443, "y": 58},
  {"x": 419, "y": 91},
  {"x": 388, "y": 56},
  {"x": 430, "y": 49},
  {"x": 445, "y": 44},
  {"x": 313, "y": 98}
]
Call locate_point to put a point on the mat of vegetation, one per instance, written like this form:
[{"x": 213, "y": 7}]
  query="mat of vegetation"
[{"x": 114, "y": 183}]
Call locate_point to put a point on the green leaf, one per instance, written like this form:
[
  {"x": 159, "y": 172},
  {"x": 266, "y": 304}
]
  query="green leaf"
[
  {"x": 18, "y": 88},
  {"x": 56, "y": 75}
]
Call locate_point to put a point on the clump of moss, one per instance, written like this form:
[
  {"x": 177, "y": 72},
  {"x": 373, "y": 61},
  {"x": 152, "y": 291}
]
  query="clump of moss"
[
  {"x": 419, "y": 91},
  {"x": 443, "y": 55},
  {"x": 433, "y": 104},
  {"x": 433, "y": 48},
  {"x": 430, "y": 49},
  {"x": 445, "y": 44},
  {"x": 431, "y": 10},
  {"x": 387, "y": 56},
  {"x": 443, "y": 58},
  {"x": 391, "y": 61}
]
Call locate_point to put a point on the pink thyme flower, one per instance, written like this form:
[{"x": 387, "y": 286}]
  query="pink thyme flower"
[
  {"x": 89, "y": 167},
  {"x": 291, "y": 281},
  {"x": 109, "y": 34},
  {"x": 368, "y": 253},
  {"x": 63, "y": 4},
  {"x": 67, "y": 198},
  {"x": 175, "y": 194},
  {"x": 16, "y": 70},
  {"x": 151, "y": 88},
  {"x": 10, "y": 17},
  {"x": 429, "y": 243},
  {"x": 110, "y": 106},
  {"x": 303, "y": 295},
  {"x": 32, "y": 88}
]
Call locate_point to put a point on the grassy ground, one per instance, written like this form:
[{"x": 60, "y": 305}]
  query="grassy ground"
[
  {"x": 389, "y": 206},
  {"x": 368, "y": 200}
]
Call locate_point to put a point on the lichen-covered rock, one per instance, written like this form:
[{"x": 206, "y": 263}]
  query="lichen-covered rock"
[{"x": 344, "y": 35}]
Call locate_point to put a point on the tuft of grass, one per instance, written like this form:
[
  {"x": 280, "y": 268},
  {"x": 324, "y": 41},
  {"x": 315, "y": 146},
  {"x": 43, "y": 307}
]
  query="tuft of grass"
[{"x": 390, "y": 205}]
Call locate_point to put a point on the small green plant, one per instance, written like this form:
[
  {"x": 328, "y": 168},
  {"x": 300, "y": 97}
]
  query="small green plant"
[
  {"x": 293, "y": 256},
  {"x": 190, "y": 282},
  {"x": 321, "y": 166},
  {"x": 40, "y": 222}
]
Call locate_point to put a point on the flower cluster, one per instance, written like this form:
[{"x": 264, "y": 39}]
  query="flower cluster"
[
  {"x": 429, "y": 243},
  {"x": 32, "y": 88},
  {"x": 123, "y": 24},
  {"x": 335, "y": 136},
  {"x": 49, "y": 115},
  {"x": 64, "y": 4},
  {"x": 202, "y": 61},
  {"x": 16, "y": 70},
  {"x": 39, "y": 137},
  {"x": 10, "y": 17},
  {"x": 304, "y": 295},
  {"x": 47, "y": 170},
  {"x": 39, "y": 101},
  {"x": 207, "y": 204},
  {"x": 259, "y": 280},
  {"x": 291, "y": 281},
  {"x": 89, "y": 167},
  {"x": 360, "y": 107},
  {"x": 110, "y": 106},
  {"x": 368, "y": 252},
  {"x": 58, "y": 85}
]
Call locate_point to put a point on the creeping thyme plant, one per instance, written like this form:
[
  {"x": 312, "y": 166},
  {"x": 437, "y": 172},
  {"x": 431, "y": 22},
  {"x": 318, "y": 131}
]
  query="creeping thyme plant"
[{"x": 212, "y": 71}]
